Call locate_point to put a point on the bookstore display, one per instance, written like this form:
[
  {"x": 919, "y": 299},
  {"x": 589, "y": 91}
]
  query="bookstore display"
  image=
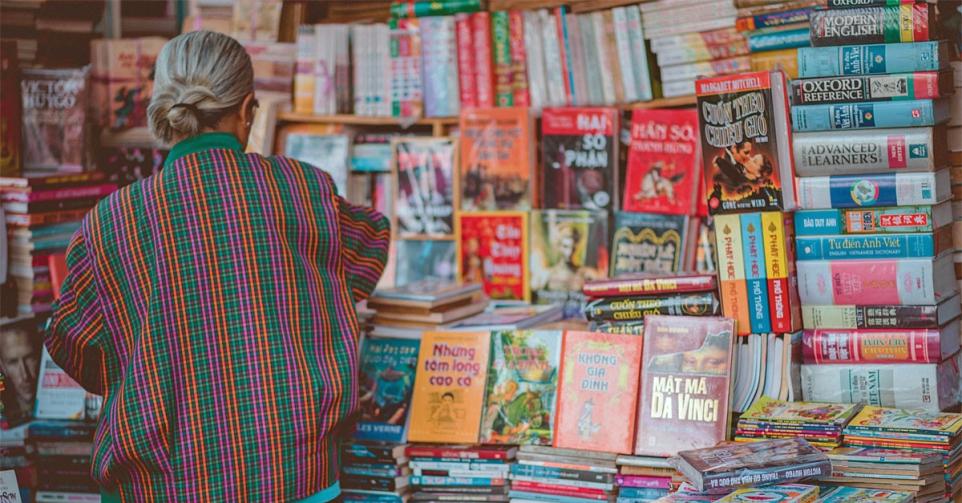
[{"x": 671, "y": 250}]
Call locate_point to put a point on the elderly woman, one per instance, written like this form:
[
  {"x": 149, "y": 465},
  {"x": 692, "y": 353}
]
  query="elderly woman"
[{"x": 212, "y": 305}]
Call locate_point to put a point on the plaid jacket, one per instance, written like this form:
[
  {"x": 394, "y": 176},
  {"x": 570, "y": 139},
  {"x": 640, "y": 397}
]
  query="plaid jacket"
[{"x": 213, "y": 307}]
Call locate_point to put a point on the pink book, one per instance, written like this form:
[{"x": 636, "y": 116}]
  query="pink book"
[
  {"x": 467, "y": 73},
  {"x": 481, "y": 24},
  {"x": 880, "y": 345}
]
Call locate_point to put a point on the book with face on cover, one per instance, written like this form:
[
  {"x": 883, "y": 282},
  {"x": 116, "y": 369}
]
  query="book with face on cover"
[
  {"x": 579, "y": 153},
  {"x": 54, "y": 119},
  {"x": 664, "y": 162},
  {"x": 424, "y": 174}
]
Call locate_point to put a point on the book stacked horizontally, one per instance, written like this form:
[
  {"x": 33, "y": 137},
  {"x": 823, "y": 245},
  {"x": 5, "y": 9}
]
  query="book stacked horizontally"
[
  {"x": 546, "y": 473},
  {"x": 619, "y": 305},
  {"x": 874, "y": 237},
  {"x": 820, "y": 424},
  {"x": 459, "y": 473},
  {"x": 917, "y": 431},
  {"x": 954, "y": 141},
  {"x": 62, "y": 453},
  {"x": 785, "y": 493},
  {"x": 643, "y": 478},
  {"x": 918, "y": 474},
  {"x": 775, "y": 31},
  {"x": 408, "y": 310},
  {"x": 848, "y": 494},
  {"x": 374, "y": 472}
]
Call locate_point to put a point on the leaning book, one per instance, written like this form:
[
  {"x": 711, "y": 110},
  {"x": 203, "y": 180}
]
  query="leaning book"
[{"x": 388, "y": 368}]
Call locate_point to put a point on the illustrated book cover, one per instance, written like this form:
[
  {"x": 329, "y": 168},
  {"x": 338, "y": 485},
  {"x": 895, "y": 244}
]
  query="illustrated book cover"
[
  {"x": 579, "y": 158},
  {"x": 568, "y": 248},
  {"x": 664, "y": 162},
  {"x": 493, "y": 251},
  {"x": 424, "y": 174},
  {"x": 497, "y": 159},
  {"x": 649, "y": 243},
  {"x": 388, "y": 369}
]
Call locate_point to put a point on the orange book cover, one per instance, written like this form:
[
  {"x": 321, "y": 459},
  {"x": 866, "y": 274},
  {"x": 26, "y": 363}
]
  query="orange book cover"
[
  {"x": 449, "y": 387},
  {"x": 493, "y": 250},
  {"x": 497, "y": 159},
  {"x": 598, "y": 392}
]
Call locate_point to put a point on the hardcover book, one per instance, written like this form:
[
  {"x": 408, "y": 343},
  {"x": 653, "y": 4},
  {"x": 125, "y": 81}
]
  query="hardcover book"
[
  {"x": 886, "y": 316},
  {"x": 425, "y": 176},
  {"x": 746, "y": 147},
  {"x": 522, "y": 387},
  {"x": 649, "y": 243},
  {"x": 732, "y": 465},
  {"x": 449, "y": 387},
  {"x": 913, "y": 282},
  {"x": 875, "y": 246},
  {"x": 598, "y": 392},
  {"x": 54, "y": 119},
  {"x": 894, "y": 345},
  {"x": 664, "y": 162},
  {"x": 686, "y": 384},
  {"x": 869, "y": 115},
  {"x": 388, "y": 367},
  {"x": 872, "y": 59},
  {"x": 880, "y": 220},
  {"x": 858, "y": 88},
  {"x": 579, "y": 158},
  {"x": 497, "y": 159},
  {"x": 909, "y": 22},
  {"x": 493, "y": 250},
  {"x": 568, "y": 248},
  {"x": 870, "y": 190}
]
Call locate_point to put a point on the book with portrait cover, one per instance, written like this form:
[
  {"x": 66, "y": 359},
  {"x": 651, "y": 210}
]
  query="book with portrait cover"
[
  {"x": 746, "y": 142},
  {"x": 664, "y": 162},
  {"x": 449, "y": 387},
  {"x": 598, "y": 392},
  {"x": 388, "y": 368},
  {"x": 54, "y": 119},
  {"x": 327, "y": 152},
  {"x": 568, "y": 248},
  {"x": 425, "y": 180},
  {"x": 497, "y": 159},
  {"x": 649, "y": 243},
  {"x": 493, "y": 250},
  {"x": 522, "y": 388},
  {"x": 686, "y": 384},
  {"x": 579, "y": 158}
]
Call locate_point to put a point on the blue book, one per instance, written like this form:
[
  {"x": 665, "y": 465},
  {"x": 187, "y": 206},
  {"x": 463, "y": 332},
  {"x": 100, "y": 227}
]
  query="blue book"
[
  {"x": 869, "y": 115},
  {"x": 873, "y": 59},
  {"x": 371, "y": 496},
  {"x": 424, "y": 480},
  {"x": 778, "y": 39},
  {"x": 872, "y": 246},
  {"x": 885, "y": 189},
  {"x": 641, "y": 493},
  {"x": 754, "y": 253},
  {"x": 387, "y": 381},
  {"x": 547, "y": 498}
]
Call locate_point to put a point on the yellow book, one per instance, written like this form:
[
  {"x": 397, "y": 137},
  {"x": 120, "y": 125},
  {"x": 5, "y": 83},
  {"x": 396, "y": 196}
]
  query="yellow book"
[{"x": 731, "y": 271}]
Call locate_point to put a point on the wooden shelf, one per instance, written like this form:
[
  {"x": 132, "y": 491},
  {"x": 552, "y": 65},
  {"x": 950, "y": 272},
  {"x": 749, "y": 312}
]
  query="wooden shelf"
[
  {"x": 360, "y": 120},
  {"x": 680, "y": 101}
]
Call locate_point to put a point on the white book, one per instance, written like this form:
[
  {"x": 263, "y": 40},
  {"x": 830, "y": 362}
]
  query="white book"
[
  {"x": 639, "y": 54},
  {"x": 58, "y": 396},
  {"x": 534, "y": 49},
  {"x": 607, "y": 77},
  {"x": 324, "y": 68},
  {"x": 661, "y": 5},
  {"x": 304, "y": 72},
  {"x": 625, "y": 60},
  {"x": 678, "y": 88},
  {"x": 699, "y": 26},
  {"x": 552, "y": 60},
  {"x": 592, "y": 68}
]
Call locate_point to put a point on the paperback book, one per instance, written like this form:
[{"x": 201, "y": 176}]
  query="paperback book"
[
  {"x": 497, "y": 160},
  {"x": 54, "y": 119},
  {"x": 425, "y": 175},
  {"x": 388, "y": 368},
  {"x": 733, "y": 465},
  {"x": 649, "y": 243},
  {"x": 326, "y": 152},
  {"x": 493, "y": 251},
  {"x": 579, "y": 158},
  {"x": 568, "y": 248},
  {"x": 781, "y": 493},
  {"x": 420, "y": 259},
  {"x": 651, "y": 284}
]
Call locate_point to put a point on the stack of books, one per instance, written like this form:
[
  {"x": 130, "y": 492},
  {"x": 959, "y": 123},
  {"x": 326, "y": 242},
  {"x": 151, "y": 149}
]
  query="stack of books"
[
  {"x": 954, "y": 145},
  {"x": 874, "y": 243},
  {"x": 374, "y": 472},
  {"x": 508, "y": 316},
  {"x": 645, "y": 478},
  {"x": 917, "y": 431},
  {"x": 14, "y": 455},
  {"x": 551, "y": 474},
  {"x": 456, "y": 472},
  {"x": 407, "y": 311},
  {"x": 619, "y": 305},
  {"x": 775, "y": 31},
  {"x": 820, "y": 424},
  {"x": 845, "y": 494},
  {"x": 62, "y": 453},
  {"x": 919, "y": 474}
]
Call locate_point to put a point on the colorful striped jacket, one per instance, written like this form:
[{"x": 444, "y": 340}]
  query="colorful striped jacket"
[{"x": 213, "y": 307}]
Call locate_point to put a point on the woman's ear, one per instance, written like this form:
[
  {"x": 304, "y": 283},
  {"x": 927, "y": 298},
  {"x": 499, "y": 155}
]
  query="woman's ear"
[{"x": 247, "y": 109}]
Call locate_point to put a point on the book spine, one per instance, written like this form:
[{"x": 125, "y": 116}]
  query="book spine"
[
  {"x": 501, "y": 36},
  {"x": 872, "y": 59},
  {"x": 576, "y": 61},
  {"x": 519, "y": 77},
  {"x": 702, "y": 69},
  {"x": 755, "y": 273},
  {"x": 481, "y": 24},
  {"x": 778, "y": 39},
  {"x": 865, "y": 152},
  {"x": 69, "y": 193},
  {"x": 871, "y": 25},
  {"x": 639, "y": 59},
  {"x": 770, "y": 475},
  {"x": 682, "y": 55},
  {"x": 851, "y": 4},
  {"x": 608, "y": 72},
  {"x": 304, "y": 71},
  {"x": 457, "y": 481},
  {"x": 636, "y": 308},
  {"x": 731, "y": 267},
  {"x": 424, "y": 451},
  {"x": 867, "y": 282},
  {"x": 898, "y": 219},
  {"x": 773, "y": 19},
  {"x": 852, "y": 191},
  {"x": 778, "y": 271},
  {"x": 881, "y": 114},
  {"x": 867, "y": 247},
  {"x": 467, "y": 70},
  {"x": 701, "y": 40},
  {"x": 649, "y": 286},
  {"x": 905, "y": 86},
  {"x": 870, "y": 317},
  {"x": 564, "y": 46},
  {"x": 427, "y": 8},
  {"x": 525, "y": 470},
  {"x": 875, "y": 346}
]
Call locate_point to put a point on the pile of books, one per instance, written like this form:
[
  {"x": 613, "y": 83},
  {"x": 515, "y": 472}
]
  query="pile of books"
[
  {"x": 408, "y": 310},
  {"x": 546, "y": 474},
  {"x": 913, "y": 431},
  {"x": 619, "y": 305},
  {"x": 645, "y": 478},
  {"x": 774, "y": 32},
  {"x": 62, "y": 454},
  {"x": 820, "y": 424},
  {"x": 14, "y": 455},
  {"x": 874, "y": 246},
  {"x": 918, "y": 474},
  {"x": 954, "y": 161},
  {"x": 453, "y": 472},
  {"x": 374, "y": 472}
]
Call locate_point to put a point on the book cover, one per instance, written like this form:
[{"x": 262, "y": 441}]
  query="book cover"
[
  {"x": 895, "y": 345},
  {"x": 783, "y": 60},
  {"x": 121, "y": 78},
  {"x": 579, "y": 158},
  {"x": 746, "y": 148},
  {"x": 326, "y": 152},
  {"x": 449, "y": 387},
  {"x": 497, "y": 159},
  {"x": 779, "y": 38},
  {"x": 848, "y": 494},
  {"x": 420, "y": 259},
  {"x": 771, "y": 411},
  {"x": 874, "y": 246},
  {"x": 887, "y": 419},
  {"x": 773, "y": 19},
  {"x": 54, "y": 118},
  {"x": 872, "y": 59},
  {"x": 568, "y": 248},
  {"x": 686, "y": 384},
  {"x": 886, "y": 316},
  {"x": 908, "y": 22},
  {"x": 753, "y": 251},
  {"x": 870, "y": 190},
  {"x": 426, "y": 197},
  {"x": 58, "y": 396},
  {"x": 648, "y": 243},
  {"x": 859, "y": 88},
  {"x": 636, "y": 309},
  {"x": 11, "y": 109},
  {"x": 598, "y": 392},
  {"x": 881, "y": 220},
  {"x": 493, "y": 251},
  {"x": 439, "y": 63},
  {"x": 388, "y": 368},
  {"x": 868, "y": 115},
  {"x": 732, "y": 287},
  {"x": 664, "y": 162},
  {"x": 522, "y": 387},
  {"x": 732, "y": 465},
  {"x": 914, "y": 282},
  {"x": 781, "y": 493}
]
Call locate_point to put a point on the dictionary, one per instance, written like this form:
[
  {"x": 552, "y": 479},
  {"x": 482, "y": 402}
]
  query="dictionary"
[
  {"x": 910, "y": 22},
  {"x": 914, "y": 282},
  {"x": 782, "y": 37},
  {"x": 872, "y": 59},
  {"x": 867, "y": 115},
  {"x": 880, "y": 345},
  {"x": 880, "y": 220},
  {"x": 859, "y": 88},
  {"x": 886, "y": 316},
  {"x": 874, "y": 246},
  {"x": 869, "y": 151},
  {"x": 887, "y": 189}
]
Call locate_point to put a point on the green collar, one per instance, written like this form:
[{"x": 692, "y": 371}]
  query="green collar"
[{"x": 201, "y": 142}]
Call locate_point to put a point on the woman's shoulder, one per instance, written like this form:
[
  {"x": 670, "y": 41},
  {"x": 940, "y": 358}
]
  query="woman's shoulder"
[{"x": 310, "y": 173}]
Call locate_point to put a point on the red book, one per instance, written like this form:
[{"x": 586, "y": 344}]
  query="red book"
[
  {"x": 28, "y": 196},
  {"x": 558, "y": 490},
  {"x": 519, "y": 76},
  {"x": 58, "y": 271},
  {"x": 663, "y": 162},
  {"x": 481, "y": 27},
  {"x": 880, "y": 345},
  {"x": 467, "y": 72},
  {"x": 579, "y": 158},
  {"x": 651, "y": 284},
  {"x": 598, "y": 391},
  {"x": 686, "y": 384},
  {"x": 460, "y": 451}
]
